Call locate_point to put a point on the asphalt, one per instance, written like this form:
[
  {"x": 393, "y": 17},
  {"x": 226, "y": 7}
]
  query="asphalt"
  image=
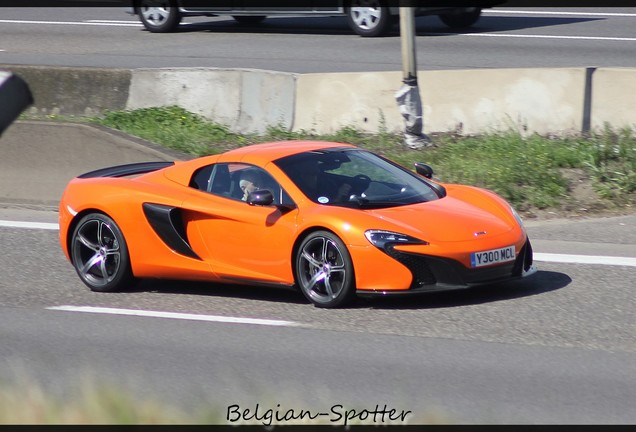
[{"x": 38, "y": 159}]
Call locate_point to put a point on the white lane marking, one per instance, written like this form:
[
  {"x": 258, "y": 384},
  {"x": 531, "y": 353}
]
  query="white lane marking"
[
  {"x": 584, "y": 259},
  {"x": 538, "y": 256},
  {"x": 531, "y": 36},
  {"x": 173, "y": 315},
  {"x": 29, "y": 225},
  {"x": 535, "y": 12},
  {"x": 116, "y": 24},
  {"x": 114, "y": 21}
]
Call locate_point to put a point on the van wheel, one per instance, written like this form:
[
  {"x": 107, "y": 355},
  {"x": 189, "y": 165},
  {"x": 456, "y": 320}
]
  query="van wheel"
[
  {"x": 159, "y": 16},
  {"x": 367, "y": 18}
]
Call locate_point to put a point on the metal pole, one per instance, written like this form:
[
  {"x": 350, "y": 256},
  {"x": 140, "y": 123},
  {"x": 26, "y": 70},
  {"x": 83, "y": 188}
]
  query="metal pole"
[
  {"x": 407, "y": 38},
  {"x": 408, "y": 97}
]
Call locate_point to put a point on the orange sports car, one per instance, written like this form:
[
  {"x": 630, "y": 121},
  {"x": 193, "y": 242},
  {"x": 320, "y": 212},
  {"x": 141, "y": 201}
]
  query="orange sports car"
[{"x": 330, "y": 219}]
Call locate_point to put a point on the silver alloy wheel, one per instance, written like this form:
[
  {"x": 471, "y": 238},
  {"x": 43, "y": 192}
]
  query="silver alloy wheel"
[
  {"x": 159, "y": 16},
  {"x": 369, "y": 18},
  {"x": 96, "y": 253},
  {"x": 322, "y": 270},
  {"x": 155, "y": 15},
  {"x": 366, "y": 18}
]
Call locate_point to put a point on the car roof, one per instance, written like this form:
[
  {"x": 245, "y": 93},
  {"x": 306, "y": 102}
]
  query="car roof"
[
  {"x": 274, "y": 150},
  {"x": 256, "y": 154}
]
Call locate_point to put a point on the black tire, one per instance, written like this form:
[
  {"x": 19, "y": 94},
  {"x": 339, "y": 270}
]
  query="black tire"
[
  {"x": 369, "y": 21},
  {"x": 159, "y": 16},
  {"x": 100, "y": 255},
  {"x": 324, "y": 271},
  {"x": 461, "y": 19},
  {"x": 249, "y": 19}
]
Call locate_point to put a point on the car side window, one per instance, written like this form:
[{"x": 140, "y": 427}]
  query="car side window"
[
  {"x": 247, "y": 178},
  {"x": 214, "y": 179},
  {"x": 201, "y": 177},
  {"x": 236, "y": 180}
]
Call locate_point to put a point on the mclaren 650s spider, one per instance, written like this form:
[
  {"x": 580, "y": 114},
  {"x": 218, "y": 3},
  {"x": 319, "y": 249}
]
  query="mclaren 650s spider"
[{"x": 329, "y": 219}]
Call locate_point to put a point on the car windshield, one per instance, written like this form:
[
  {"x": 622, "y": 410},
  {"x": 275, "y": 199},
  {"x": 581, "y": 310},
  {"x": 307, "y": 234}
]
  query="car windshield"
[{"x": 354, "y": 178}]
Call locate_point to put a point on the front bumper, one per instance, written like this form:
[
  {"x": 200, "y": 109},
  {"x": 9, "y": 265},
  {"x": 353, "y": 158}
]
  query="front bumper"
[{"x": 431, "y": 273}]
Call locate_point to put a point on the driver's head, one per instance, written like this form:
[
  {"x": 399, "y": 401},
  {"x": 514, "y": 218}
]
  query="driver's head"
[{"x": 250, "y": 181}]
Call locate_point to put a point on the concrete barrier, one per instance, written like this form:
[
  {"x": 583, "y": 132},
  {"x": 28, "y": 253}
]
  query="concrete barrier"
[
  {"x": 614, "y": 97},
  {"x": 527, "y": 100},
  {"x": 244, "y": 100},
  {"x": 542, "y": 100},
  {"x": 328, "y": 102},
  {"x": 71, "y": 91},
  {"x": 464, "y": 101}
]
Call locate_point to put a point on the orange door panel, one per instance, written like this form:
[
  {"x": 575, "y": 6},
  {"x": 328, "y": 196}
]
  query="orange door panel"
[{"x": 242, "y": 241}]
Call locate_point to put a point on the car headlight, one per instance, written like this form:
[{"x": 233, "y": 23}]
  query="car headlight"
[
  {"x": 382, "y": 239},
  {"x": 517, "y": 217}
]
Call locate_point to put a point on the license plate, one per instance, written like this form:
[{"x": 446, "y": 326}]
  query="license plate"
[{"x": 494, "y": 256}]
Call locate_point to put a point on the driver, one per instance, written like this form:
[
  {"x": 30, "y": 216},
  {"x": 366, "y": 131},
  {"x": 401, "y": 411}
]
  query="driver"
[{"x": 250, "y": 181}]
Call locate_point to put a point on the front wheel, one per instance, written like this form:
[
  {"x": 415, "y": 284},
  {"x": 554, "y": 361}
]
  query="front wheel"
[
  {"x": 371, "y": 20},
  {"x": 100, "y": 255},
  {"x": 324, "y": 270},
  {"x": 159, "y": 16},
  {"x": 461, "y": 19}
]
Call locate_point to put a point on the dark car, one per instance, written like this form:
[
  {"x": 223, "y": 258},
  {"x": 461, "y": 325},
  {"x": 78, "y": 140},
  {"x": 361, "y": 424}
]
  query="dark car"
[{"x": 365, "y": 17}]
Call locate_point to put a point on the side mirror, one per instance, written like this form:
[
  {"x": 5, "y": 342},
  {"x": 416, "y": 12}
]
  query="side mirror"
[
  {"x": 261, "y": 197},
  {"x": 424, "y": 170},
  {"x": 427, "y": 172}
]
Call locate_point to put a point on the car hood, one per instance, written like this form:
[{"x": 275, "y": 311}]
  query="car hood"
[{"x": 447, "y": 219}]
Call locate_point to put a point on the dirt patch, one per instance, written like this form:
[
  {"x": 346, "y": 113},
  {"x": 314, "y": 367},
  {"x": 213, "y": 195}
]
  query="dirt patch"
[{"x": 581, "y": 201}]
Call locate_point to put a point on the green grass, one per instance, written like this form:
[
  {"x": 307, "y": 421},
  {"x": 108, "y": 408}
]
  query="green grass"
[
  {"x": 612, "y": 163},
  {"x": 89, "y": 403},
  {"x": 528, "y": 171},
  {"x": 93, "y": 402}
]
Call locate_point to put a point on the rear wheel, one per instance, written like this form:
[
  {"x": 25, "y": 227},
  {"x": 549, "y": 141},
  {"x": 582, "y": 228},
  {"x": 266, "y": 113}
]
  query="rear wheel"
[
  {"x": 159, "y": 16},
  {"x": 100, "y": 255},
  {"x": 367, "y": 18},
  {"x": 324, "y": 270},
  {"x": 461, "y": 19}
]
